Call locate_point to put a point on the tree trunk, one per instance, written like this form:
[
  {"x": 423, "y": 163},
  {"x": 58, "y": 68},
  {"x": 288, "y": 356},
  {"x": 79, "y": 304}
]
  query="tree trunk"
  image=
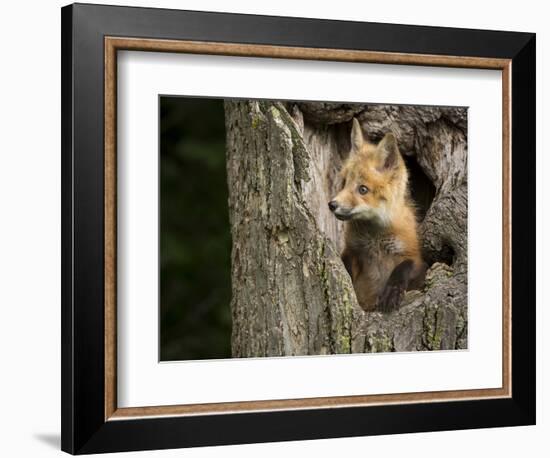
[{"x": 291, "y": 292}]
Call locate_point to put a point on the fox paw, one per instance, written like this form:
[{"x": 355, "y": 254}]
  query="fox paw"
[{"x": 390, "y": 298}]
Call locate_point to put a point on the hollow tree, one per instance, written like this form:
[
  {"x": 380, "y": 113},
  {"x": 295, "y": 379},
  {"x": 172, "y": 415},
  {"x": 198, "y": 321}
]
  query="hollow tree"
[{"x": 291, "y": 292}]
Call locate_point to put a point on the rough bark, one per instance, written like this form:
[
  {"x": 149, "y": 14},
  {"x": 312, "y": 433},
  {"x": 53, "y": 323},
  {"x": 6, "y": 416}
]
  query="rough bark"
[{"x": 291, "y": 292}]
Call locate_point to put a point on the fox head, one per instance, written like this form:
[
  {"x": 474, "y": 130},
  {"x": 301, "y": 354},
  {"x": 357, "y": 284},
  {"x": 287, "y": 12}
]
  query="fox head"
[{"x": 373, "y": 180}]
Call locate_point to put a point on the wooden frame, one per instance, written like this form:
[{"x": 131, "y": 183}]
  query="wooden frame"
[
  {"x": 95, "y": 423},
  {"x": 112, "y": 45}
]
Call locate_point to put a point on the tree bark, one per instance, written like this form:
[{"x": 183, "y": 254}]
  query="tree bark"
[{"x": 291, "y": 294}]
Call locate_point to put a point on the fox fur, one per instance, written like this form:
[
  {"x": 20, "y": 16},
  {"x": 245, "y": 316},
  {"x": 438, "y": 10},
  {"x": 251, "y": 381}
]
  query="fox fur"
[{"x": 382, "y": 252}]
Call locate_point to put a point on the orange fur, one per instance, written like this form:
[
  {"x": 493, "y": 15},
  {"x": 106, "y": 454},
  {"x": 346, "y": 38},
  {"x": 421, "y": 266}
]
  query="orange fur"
[{"x": 381, "y": 231}]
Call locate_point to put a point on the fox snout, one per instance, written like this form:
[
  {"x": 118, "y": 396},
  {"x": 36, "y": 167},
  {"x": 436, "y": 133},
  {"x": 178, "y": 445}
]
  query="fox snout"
[{"x": 342, "y": 213}]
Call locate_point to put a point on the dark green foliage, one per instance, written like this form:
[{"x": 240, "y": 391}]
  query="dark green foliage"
[{"x": 195, "y": 239}]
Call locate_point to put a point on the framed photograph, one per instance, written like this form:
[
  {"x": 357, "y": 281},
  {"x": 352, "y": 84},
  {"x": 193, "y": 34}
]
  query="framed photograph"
[{"x": 281, "y": 228}]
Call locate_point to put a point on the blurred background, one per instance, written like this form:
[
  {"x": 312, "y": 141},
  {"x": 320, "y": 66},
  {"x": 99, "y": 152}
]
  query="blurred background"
[{"x": 195, "y": 239}]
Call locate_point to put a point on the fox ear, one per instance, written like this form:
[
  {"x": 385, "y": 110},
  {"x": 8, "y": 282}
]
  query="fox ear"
[
  {"x": 388, "y": 151},
  {"x": 357, "y": 139}
]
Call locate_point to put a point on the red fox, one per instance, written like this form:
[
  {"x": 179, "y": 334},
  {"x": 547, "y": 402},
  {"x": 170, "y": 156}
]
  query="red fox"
[{"x": 382, "y": 252}]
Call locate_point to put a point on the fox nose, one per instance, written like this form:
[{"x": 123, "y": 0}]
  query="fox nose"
[{"x": 332, "y": 205}]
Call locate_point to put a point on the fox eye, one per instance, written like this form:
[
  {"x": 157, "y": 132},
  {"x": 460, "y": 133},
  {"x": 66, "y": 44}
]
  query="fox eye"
[{"x": 362, "y": 189}]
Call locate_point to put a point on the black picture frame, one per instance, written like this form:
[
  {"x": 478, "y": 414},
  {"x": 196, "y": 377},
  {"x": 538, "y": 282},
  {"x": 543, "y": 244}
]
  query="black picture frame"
[{"x": 84, "y": 428}]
